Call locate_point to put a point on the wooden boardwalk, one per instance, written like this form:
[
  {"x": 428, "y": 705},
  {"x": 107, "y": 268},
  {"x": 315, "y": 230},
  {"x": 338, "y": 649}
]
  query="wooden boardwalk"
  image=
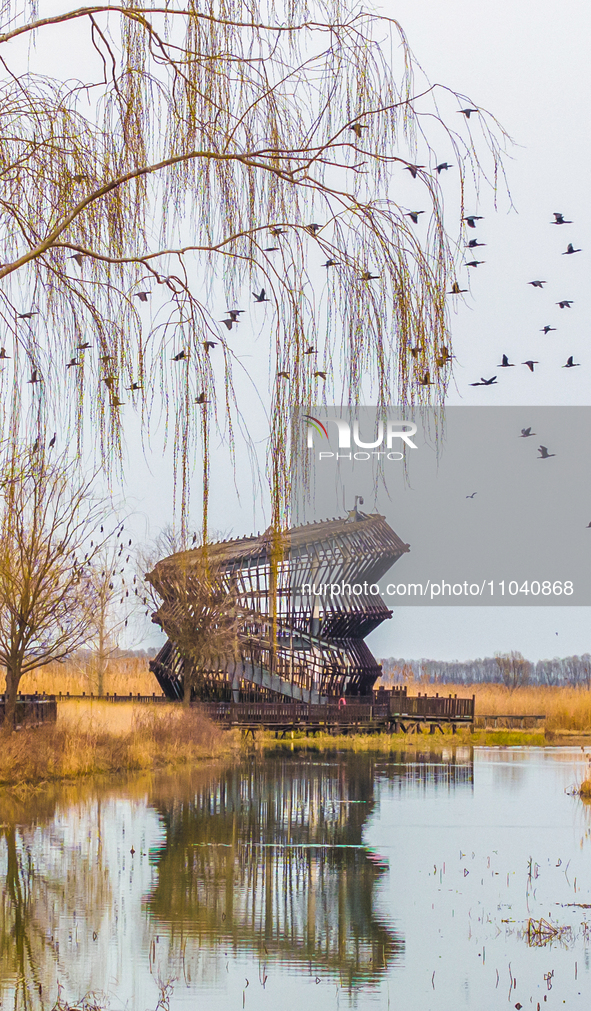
[
  {"x": 397, "y": 712},
  {"x": 510, "y": 721},
  {"x": 32, "y": 710},
  {"x": 385, "y": 711}
]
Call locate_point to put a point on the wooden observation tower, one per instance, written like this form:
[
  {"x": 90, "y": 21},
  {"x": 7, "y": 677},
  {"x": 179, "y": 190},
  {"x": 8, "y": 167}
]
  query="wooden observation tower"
[{"x": 301, "y": 621}]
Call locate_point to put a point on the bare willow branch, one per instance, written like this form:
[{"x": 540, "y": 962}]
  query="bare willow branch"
[{"x": 201, "y": 145}]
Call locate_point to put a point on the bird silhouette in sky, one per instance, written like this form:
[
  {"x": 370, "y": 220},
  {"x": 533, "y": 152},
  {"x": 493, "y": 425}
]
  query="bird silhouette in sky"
[
  {"x": 544, "y": 454},
  {"x": 413, "y": 169},
  {"x": 467, "y": 112},
  {"x": 570, "y": 364},
  {"x": 321, "y": 375},
  {"x": 115, "y": 402},
  {"x": 537, "y": 284},
  {"x": 530, "y": 364},
  {"x": 106, "y": 358},
  {"x": 525, "y": 433},
  {"x": 142, "y": 295},
  {"x": 547, "y": 329},
  {"x": 83, "y": 347},
  {"x": 26, "y": 315},
  {"x": 565, "y": 303},
  {"x": 571, "y": 249},
  {"x": 3, "y": 355},
  {"x": 445, "y": 357},
  {"x": 271, "y": 249},
  {"x": 134, "y": 386},
  {"x": 109, "y": 382},
  {"x": 235, "y": 313},
  {"x": 180, "y": 356},
  {"x": 442, "y": 167},
  {"x": 472, "y": 495},
  {"x": 313, "y": 228},
  {"x": 426, "y": 380},
  {"x": 414, "y": 216},
  {"x": 474, "y": 263},
  {"x": 486, "y": 382},
  {"x": 506, "y": 364},
  {"x": 366, "y": 276},
  {"x": 283, "y": 375},
  {"x": 260, "y": 297},
  {"x": 72, "y": 363},
  {"x": 52, "y": 440},
  {"x": 456, "y": 290},
  {"x": 276, "y": 230},
  {"x": 78, "y": 257},
  {"x": 559, "y": 219},
  {"x": 415, "y": 352},
  {"x": 208, "y": 345},
  {"x": 471, "y": 219},
  {"x": 474, "y": 244},
  {"x": 310, "y": 351},
  {"x": 330, "y": 263},
  {"x": 201, "y": 399},
  {"x": 357, "y": 129},
  {"x": 229, "y": 323}
]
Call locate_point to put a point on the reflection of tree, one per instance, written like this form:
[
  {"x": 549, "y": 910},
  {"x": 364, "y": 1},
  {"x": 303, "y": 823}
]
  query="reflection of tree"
[
  {"x": 18, "y": 933},
  {"x": 269, "y": 856},
  {"x": 54, "y": 893}
]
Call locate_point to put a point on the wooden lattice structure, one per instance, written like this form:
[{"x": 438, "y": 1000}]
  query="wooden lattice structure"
[{"x": 294, "y": 642}]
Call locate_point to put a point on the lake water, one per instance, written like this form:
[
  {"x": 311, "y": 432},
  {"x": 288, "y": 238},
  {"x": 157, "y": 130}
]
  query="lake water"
[{"x": 305, "y": 881}]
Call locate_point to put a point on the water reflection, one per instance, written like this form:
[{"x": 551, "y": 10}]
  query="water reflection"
[
  {"x": 107, "y": 888},
  {"x": 270, "y": 857}
]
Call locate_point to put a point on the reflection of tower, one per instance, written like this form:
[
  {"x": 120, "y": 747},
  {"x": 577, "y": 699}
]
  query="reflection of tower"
[
  {"x": 327, "y": 601},
  {"x": 271, "y": 853}
]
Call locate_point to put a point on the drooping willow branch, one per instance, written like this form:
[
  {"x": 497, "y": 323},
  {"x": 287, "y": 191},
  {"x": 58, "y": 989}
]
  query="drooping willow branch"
[{"x": 212, "y": 153}]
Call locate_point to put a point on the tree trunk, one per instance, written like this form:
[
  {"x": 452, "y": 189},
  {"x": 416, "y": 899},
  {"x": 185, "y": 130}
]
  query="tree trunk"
[
  {"x": 101, "y": 660},
  {"x": 13, "y": 677}
]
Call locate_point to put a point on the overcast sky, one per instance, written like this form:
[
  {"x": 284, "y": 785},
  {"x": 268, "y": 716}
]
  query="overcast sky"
[{"x": 530, "y": 67}]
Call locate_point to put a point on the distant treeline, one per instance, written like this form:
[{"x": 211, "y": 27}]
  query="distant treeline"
[
  {"x": 511, "y": 669},
  {"x": 120, "y": 654}
]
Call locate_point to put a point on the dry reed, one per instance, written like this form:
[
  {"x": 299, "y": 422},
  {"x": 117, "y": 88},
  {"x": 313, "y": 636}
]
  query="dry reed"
[
  {"x": 564, "y": 708},
  {"x": 171, "y": 737},
  {"x": 79, "y": 675}
]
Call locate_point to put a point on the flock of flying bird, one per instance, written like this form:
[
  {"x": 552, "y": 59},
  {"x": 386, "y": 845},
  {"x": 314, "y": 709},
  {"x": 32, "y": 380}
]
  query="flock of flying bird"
[
  {"x": 233, "y": 315},
  {"x": 564, "y": 303},
  {"x": 232, "y": 319}
]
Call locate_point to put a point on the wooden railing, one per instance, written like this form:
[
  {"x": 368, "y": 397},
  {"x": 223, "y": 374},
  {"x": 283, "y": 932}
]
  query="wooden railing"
[
  {"x": 31, "y": 710},
  {"x": 429, "y": 706},
  {"x": 290, "y": 712},
  {"x": 353, "y": 712}
]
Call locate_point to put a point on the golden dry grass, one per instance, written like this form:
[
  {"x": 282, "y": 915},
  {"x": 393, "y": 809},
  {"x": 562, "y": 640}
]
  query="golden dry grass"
[
  {"x": 171, "y": 736},
  {"x": 564, "y": 708},
  {"x": 78, "y": 676}
]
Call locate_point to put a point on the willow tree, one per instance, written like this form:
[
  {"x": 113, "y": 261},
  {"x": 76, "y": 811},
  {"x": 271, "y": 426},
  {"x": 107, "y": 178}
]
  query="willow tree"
[{"x": 202, "y": 135}]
